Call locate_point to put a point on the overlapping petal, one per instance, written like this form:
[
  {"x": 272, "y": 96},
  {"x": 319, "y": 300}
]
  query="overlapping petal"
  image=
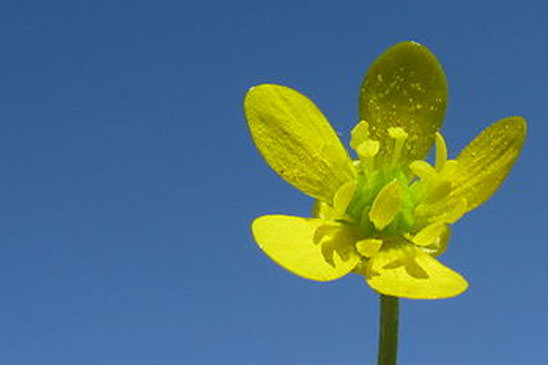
[
  {"x": 297, "y": 141},
  {"x": 405, "y": 87},
  {"x": 293, "y": 243},
  {"x": 403, "y": 270}
]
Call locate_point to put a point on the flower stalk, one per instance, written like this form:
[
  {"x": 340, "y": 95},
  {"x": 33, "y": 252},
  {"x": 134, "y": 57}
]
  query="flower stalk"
[{"x": 388, "y": 330}]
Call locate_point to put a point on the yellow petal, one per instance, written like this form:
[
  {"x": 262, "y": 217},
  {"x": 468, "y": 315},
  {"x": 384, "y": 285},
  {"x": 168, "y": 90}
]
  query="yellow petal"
[
  {"x": 405, "y": 87},
  {"x": 402, "y": 270},
  {"x": 297, "y": 141},
  {"x": 289, "y": 241},
  {"x": 445, "y": 211},
  {"x": 485, "y": 162}
]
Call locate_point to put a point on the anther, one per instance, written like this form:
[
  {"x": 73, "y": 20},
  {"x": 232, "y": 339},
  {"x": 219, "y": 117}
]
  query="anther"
[
  {"x": 441, "y": 152},
  {"x": 424, "y": 170},
  {"x": 367, "y": 152},
  {"x": 344, "y": 196},
  {"x": 430, "y": 234},
  {"x": 359, "y": 134},
  {"x": 386, "y": 204}
]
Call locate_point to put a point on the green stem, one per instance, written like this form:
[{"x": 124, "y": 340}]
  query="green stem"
[{"x": 388, "y": 330}]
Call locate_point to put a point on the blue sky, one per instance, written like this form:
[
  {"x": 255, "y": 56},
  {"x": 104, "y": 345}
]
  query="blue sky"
[{"x": 129, "y": 181}]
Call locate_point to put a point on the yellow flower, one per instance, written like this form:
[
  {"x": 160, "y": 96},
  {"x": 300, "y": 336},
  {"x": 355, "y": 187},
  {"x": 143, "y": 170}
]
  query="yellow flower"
[{"x": 386, "y": 214}]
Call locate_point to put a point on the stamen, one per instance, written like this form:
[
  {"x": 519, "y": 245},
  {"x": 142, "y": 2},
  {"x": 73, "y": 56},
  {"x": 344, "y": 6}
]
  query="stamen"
[
  {"x": 430, "y": 234},
  {"x": 399, "y": 135},
  {"x": 365, "y": 223},
  {"x": 386, "y": 204},
  {"x": 424, "y": 170},
  {"x": 368, "y": 247},
  {"x": 367, "y": 152},
  {"x": 438, "y": 183},
  {"x": 441, "y": 152},
  {"x": 359, "y": 134},
  {"x": 344, "y": 196}
]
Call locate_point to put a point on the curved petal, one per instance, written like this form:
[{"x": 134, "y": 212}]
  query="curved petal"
[
  {"x": 403, "y": 270},
  {"x": 405, "y": 87},
  {"x": 486, "y": 161},
  {"x": 290, "y": 242},
  {"x": 297, "y": 141}
]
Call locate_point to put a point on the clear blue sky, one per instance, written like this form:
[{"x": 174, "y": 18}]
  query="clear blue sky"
[{"x": 129, "y": 181}]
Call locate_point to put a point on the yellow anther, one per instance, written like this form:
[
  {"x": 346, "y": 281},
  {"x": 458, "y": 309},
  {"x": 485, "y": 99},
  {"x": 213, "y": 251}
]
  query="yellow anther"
[
  {"x": 424, "y": 170},
  {"x": 441, "y": 152},
  {"x": 400, "y": 135},
  {"x": 433, "y": 238},
  {"x": 430, "y": 235},
  {"x": 438, "y": 183},
  {"x": 443, "y": 184},
  {"x": 359, "y": 134},
  {"x": 386, "y": 204},
  {"x": 368, "y": 149},
  {"x": 344, "y": 196},
  {"x": 397, "y": 133},
  {"x": 368, "y": 247},
  {"x": 367, "y": 152}
]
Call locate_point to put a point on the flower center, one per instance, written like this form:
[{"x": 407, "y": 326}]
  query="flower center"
[
  {"x": 393, "y": 199},
  {"x": 386, "y": 194},
  {"x": 383, "y": 203}
]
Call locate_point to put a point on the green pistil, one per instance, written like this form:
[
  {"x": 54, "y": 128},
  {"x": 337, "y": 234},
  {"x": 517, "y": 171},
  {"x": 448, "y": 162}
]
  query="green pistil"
[{"x": 367, "y": 190}]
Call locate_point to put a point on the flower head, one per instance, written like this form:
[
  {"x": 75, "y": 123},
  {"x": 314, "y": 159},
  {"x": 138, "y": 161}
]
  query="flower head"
[{"x": 387, "y": 213}]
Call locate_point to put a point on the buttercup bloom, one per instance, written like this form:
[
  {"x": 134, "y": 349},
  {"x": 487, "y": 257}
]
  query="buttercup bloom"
[{"x": 386, "y": 214}]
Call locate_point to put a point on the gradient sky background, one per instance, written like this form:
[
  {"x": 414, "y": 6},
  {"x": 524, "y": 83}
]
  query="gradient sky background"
[{"x": 129, "y": 181}]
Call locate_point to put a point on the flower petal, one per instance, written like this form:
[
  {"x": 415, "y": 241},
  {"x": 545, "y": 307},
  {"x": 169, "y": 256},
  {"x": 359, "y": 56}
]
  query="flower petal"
[
  {"x": 403, "y": 270},
  {"x": 405, "y": 87},
  {"x": 289, "y": 241},
  {"x": 297, "y": 141},
  {"x": 444, "y": 211},
  {"x": 486, "y": 161}
]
